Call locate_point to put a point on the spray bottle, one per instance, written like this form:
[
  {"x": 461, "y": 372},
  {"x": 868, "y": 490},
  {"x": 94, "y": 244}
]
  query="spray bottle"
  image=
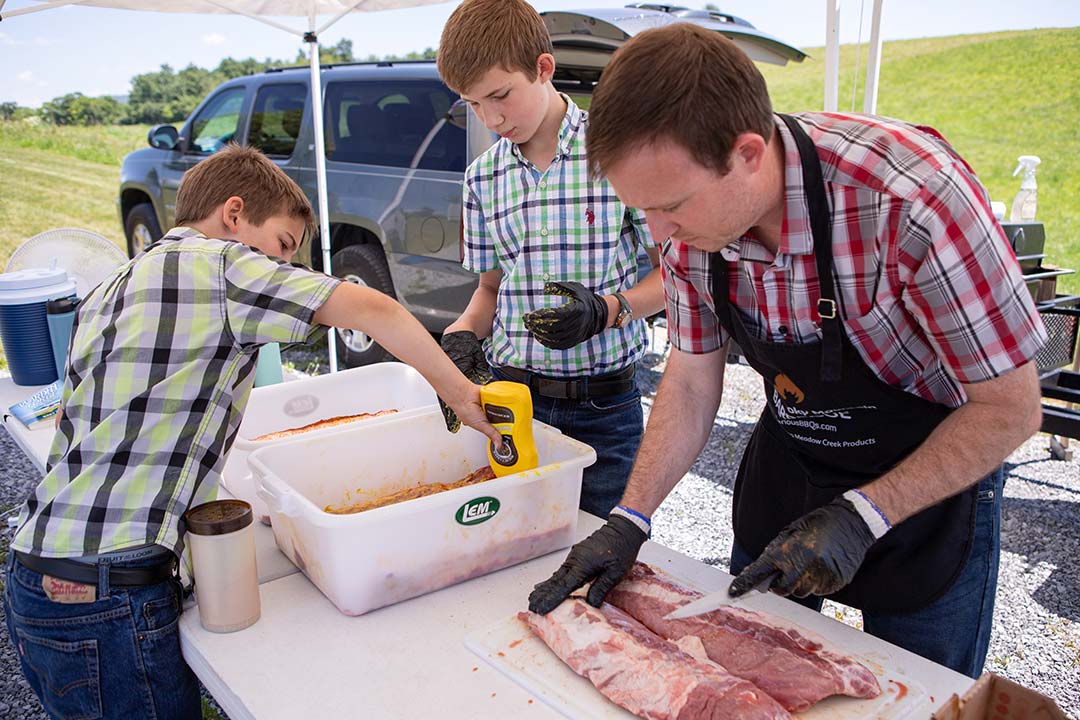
[
  {"x": 1023, "y": 206},
  {"x": 508, "y": 406}
]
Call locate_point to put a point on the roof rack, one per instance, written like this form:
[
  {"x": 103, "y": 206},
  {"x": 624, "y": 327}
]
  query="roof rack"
[{"x": 357, "y": 63}]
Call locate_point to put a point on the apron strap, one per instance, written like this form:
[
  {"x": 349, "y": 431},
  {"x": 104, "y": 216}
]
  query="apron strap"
[{"x": 821, "y": 225}]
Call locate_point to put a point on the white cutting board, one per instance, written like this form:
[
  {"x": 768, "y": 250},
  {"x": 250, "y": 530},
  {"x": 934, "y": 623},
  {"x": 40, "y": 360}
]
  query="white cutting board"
[{"x": 512, "y": 648}]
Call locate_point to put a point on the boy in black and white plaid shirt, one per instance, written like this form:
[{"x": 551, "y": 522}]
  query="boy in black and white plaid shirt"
[{"x": 162, "y": 361}]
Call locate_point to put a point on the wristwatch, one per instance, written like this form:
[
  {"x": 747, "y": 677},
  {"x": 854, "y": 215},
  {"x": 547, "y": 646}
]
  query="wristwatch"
[{"x": 626, "y": 313}]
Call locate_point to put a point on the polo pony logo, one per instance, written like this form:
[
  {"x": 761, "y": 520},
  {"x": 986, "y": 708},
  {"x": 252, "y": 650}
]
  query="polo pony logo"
[
  {"x": 590, "y": 216},
  {"x": 788, "y": 390}
]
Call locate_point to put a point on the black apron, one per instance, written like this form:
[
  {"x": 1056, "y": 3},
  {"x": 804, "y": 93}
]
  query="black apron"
[{"x": 829, "y": 425}]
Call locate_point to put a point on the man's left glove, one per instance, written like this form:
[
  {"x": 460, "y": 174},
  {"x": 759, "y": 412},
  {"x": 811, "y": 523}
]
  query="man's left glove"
[
  {"x": 583, "y": 315},
  {"x": 604, "y": 557},
  {"x": 464, "y": 348},
  {"x": 816, "y": 555}
]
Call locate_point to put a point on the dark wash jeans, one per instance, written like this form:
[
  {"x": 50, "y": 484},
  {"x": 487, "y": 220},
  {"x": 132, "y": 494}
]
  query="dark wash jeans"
[
  {"x": 612, "y": 426},
  {"x": 117, "y": 657},
  {"x": 954, "y": 630}
]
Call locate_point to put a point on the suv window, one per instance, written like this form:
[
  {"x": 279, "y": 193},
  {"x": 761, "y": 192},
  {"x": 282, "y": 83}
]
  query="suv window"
[
  {"x": 217, "y": 122},
  {"x": 275, "y": 119},
  {"x": 388, "y": 123}
]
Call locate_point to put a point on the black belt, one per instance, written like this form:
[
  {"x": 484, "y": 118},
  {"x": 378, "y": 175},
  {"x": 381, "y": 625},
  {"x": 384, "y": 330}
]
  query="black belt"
[
  {"x": 87, "y": 573},
  {"x": 580, "y": 388}
]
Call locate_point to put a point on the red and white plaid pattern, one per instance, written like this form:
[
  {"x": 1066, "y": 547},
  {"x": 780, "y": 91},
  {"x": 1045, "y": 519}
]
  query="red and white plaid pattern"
[{"x": 929, "y": 289}]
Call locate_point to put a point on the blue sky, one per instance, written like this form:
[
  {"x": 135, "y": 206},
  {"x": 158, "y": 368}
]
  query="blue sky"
[{"x": 97, "y": 51}]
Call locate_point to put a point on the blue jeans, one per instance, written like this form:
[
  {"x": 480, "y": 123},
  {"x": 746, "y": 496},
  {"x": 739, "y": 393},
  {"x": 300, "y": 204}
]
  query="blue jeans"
[
  {"x": 116, "y": 657},
  {"x": 612, "y": 426},
  {"x": 954, "y": 630}
]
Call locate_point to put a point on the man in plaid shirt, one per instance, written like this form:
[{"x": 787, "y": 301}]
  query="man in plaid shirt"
[
  {"x": 857, "y": 264},
  {"x": 558, "y": 298},
  {"x": 162, "y": 360}
]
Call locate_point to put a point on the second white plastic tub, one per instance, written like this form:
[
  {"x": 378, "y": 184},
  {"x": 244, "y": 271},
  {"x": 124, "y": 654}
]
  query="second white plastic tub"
[
  {"x": 369, "y": 389},
  {"x": 366, "y": 560}
]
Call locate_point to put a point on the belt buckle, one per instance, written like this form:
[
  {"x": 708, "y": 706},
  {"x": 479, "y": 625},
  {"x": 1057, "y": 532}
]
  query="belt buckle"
[{"x": 558, "y": 389}]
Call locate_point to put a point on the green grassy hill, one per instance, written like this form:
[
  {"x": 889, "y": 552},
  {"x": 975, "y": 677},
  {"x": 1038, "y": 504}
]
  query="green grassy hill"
[{"x": 994, "y": 97}]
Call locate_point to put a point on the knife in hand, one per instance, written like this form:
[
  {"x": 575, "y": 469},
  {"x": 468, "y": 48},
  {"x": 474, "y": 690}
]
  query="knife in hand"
[{"x": 720, "y": 598}]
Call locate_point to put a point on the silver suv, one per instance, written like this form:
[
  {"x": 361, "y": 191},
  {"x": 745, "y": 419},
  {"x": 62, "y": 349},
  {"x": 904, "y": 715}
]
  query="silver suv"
[{"x": 397, "y": 145}]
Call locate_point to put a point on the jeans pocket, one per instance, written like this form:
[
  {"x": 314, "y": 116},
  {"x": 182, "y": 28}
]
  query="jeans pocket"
[
  {"x": 161, "y": 612},
  {"x": 66, "y": 675},
  {"x": 616, "y": 402}
]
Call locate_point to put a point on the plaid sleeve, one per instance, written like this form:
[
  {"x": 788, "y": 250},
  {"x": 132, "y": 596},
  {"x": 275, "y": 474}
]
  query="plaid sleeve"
[
  {"x": 269, "y": 300},
  {"x": 641, "y": 228},
  {"x": 692, "y": 324},
  {"x": 966, "y": 289},
  {"x": 479, "y": 254}
]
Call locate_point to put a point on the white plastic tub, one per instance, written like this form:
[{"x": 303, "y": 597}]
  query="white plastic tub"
[
  {"x": 382, "y": 386},
  {"x": 367, "y": 560}
]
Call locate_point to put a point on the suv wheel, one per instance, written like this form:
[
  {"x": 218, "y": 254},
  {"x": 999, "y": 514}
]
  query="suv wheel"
[
  {"x": 141, "y": 228},
  {"x": 363, "y": 265}
]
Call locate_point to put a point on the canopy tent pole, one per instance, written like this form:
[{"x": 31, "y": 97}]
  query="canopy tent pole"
[
  {"x": 320, "y": 173},
  {"x": 832, "y": 54},
  {"x": 873, "y": 64}
]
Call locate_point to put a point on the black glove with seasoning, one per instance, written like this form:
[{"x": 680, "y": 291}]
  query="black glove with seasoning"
[
  {"x": 464, "y": 348},
  {"x": 606, "y": 555},
  {"x": 583, "y": 315},
  {"x": 816, "y": 555}
]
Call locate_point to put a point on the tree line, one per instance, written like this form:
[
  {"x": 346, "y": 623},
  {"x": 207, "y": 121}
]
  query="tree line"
[{"x": 169, "y": 96}]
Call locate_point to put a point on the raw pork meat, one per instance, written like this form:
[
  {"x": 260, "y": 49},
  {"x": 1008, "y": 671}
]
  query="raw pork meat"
[
  {"x": 786, "y": 661},
  {"x": 640, "y": 671}
]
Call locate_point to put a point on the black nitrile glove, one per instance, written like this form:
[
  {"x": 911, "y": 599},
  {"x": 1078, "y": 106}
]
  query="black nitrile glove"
[
  {"x": 816, "y": 555},
  {"x": 585, "y": 314},
  {"x": 464, "y": 348},
  {"x": 606, "y": 555}
]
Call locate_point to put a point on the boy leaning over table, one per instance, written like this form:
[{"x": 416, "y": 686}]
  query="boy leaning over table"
[
  {"x": 556, "y": 251},
  {"x": 162, "y": 361}
]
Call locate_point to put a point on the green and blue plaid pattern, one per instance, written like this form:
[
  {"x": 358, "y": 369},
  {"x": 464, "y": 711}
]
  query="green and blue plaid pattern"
[
  {"x": 162, "y": 361},
  {"x": 556, "y": 225}
]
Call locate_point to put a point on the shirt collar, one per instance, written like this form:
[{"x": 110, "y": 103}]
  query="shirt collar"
[{"x": 569, "y": 130}]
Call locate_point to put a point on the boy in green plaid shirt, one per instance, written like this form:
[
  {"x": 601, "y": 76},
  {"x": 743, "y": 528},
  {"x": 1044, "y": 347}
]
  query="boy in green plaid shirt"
[
  {"x": 161, "y": 364},
  {"x": 556, "y": 251}
]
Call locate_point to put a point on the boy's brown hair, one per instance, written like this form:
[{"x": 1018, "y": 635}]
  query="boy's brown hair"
[
  {"x": 247, "y": 173},
  {"x": 680, "y": 82},
  {"x": 484, "y": 34}
]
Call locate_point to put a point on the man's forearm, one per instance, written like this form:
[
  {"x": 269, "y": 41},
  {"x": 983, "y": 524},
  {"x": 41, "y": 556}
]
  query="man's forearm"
[
  {"x": 973, "y": 440},
  {"x": 681, "y": 419}
]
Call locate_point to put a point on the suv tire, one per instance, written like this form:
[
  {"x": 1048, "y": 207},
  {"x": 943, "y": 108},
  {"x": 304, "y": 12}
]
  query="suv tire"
[
  {"x": 141, "y": 228},
  {"x": 362, "y": 265}
]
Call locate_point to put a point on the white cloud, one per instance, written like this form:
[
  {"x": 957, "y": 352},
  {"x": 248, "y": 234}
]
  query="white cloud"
[
  {"x": 42, "y": 41},
  {"x": 213, "y": 39},
  {"x": 25, "y": 76}
]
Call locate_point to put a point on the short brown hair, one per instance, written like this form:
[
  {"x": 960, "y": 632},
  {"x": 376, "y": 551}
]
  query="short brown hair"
[
  {"x": 246, "y": 173},
  {"x": 681, "y": 82},
  {"x": 484, "y": 34}
]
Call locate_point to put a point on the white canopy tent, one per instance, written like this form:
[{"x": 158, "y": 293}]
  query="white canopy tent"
[{"x": 263, "y": 11}]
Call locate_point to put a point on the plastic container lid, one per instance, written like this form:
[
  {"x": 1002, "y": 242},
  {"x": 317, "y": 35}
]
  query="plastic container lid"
[
  {"x": 34, "y": 285},
  {"x": 219, "y": 517},
  {"x": 61, "y": 306}
]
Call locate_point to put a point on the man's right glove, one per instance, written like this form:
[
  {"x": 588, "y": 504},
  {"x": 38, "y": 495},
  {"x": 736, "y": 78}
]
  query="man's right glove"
[
  {"x": 464, "y": 348},
  {"x": 815, "y": 555},
  {"x": 606, "y": 555}
]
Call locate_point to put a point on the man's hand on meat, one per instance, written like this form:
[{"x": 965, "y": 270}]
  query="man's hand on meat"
[
  {"x": 604, "y": 557},
  {"x": 465, "y": 349},
  {"x": 582, "y": 316},
  {"x": 816, "y": 555}
]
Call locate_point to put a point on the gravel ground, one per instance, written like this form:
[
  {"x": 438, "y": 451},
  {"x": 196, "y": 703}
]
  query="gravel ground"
[{"x": 1036, "y": 635}]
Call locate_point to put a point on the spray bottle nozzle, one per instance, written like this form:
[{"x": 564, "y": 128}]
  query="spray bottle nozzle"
[{"x": 1027, "y": 163}]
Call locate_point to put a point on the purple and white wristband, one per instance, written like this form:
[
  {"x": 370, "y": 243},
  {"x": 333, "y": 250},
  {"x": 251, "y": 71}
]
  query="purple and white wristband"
[
  {"x": 643, "y": 523},
  {"x": 869, "y": 512}
]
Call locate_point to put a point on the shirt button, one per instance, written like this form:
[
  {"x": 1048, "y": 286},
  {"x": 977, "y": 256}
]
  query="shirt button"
[
  {"x": 543, "y": 231},
  {"x": 782, "y": 329},
  {"x": 543, "y": 183},
  {"x": 547, "y": 276}
]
